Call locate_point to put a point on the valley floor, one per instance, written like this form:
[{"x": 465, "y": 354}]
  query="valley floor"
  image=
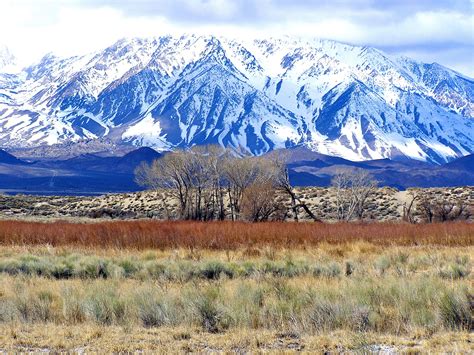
[
  {"x": 386, "y": 204},
  {"x": 73, "y": 289}
]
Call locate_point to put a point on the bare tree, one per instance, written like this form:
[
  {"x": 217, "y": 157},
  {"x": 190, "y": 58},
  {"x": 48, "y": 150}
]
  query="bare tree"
[
  {"x": 425, "y": 208},
  {"x": 204, "y": 175},
  {"x": 259, "y": 202},
  {"x": 170, "y": 173},
  {"x": 209, "y": 181},
  {"x": 445, "y": 209},
  {"x": 434, "y": 206},
  {"x": 215, "y": 161},
  {"x": 408, "y": 208},
  {"x": 463, "y": 210},
  {"x": 242, "y": 173},
  {"x": 202, "y": 178},
  {"x": 209, "y": 164},
  {"x": 352, "y": 190},
  {"x": 279, "y": 162}
]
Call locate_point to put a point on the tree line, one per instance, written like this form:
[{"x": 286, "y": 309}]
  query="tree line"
[
  {"x": 430, "y": 208},
  {"x": 212, "y": 183}
]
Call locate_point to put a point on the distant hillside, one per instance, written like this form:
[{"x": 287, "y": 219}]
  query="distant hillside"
[
  {"x": 94, "y": 174},
  {"x": 6, "y": 158},
  {"x": 84, "y": 174},
  {"x": 308, "y": 168},
  {"x": 464, "y": 163}
]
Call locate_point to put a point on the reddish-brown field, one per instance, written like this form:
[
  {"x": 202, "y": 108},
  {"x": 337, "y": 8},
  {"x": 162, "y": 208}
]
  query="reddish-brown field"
[
  {"x": 228, "y": 235},
  {"x": 151, "y": 286}
]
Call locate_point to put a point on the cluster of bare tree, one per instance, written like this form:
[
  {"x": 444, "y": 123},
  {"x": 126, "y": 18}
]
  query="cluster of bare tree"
[
  {"x": 439, "y": 208},
  {"x": 352, "y": 191},
  {"x": 210, "y": 183}
]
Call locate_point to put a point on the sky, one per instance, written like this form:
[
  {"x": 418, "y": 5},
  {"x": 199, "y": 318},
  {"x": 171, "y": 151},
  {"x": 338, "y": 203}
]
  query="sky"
[{"x": 427, "y": 30}]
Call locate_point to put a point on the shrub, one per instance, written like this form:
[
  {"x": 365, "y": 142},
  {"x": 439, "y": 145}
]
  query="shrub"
[
  {"x": 74, "y": 309},
  {"x": 455, "y": 271},
  {"x": 8, "y": 310},
  {"x": 35, "y": 307},
  {"x": 382, "y": 264},
  {"x": 210, "y": 313},
  {"x": 213, "y": 270},
  {"x": 455, "y": 311},
  {"x": 93, "y": 268},
  {"x": 130, "y": 267},
  {"x": 9, "y": 266},
  {"x": 154, "y": 310},
  {"x": 229, "y": 235},
  {"x": 105, "y": 306},
  {"x": 155, "y": 269},
  {"x": 349, "y": 268},
  {"x": 329, "y": 271},
  {"x": 63, "y": 269}
]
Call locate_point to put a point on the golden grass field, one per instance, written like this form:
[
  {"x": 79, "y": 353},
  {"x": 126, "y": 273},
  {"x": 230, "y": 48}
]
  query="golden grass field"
[{"x": 236, "y": 287}]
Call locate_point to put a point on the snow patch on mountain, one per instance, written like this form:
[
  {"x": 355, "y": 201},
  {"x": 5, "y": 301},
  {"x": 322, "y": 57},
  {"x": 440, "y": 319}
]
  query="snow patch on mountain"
[{"x": 146, "y": 132}]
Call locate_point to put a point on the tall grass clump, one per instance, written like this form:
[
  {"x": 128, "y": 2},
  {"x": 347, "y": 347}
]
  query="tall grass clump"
[
  {"x": 156, "y": 310},
  {"x": 208, "y": 309},
  {"x": 456, "y": 311},
  {"x": 105, "y": 305}
]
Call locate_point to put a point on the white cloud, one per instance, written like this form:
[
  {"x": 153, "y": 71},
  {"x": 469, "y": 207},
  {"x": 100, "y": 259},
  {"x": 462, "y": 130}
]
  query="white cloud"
[
  {"x": 32, "y": 28},
  {"x": 74, "y": 31}
]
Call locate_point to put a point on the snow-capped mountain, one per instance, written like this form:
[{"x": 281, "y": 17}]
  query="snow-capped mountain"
[{"x": 256, "y": 95}]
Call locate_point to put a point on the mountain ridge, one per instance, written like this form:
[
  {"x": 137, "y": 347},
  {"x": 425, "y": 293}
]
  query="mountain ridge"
[{"x": 253, "y": 95}]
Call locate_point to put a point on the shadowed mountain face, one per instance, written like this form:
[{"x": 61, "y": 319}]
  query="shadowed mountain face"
[
  {"x": 93, "y": 174},
  {"x": 6, "y": 158},
  {"x": 89, "y": 162},
  {"x": 84, "y": 174},
  {"x": 312, "y": 169},
  {"x": 464, "y": 163},
  {"x": 258, "y": 95}
]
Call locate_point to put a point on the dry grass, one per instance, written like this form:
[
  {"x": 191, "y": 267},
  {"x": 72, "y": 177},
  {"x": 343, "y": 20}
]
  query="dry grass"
[
  {"x": 356, "y": 259},
  {"x": 99, "y": 339},
  {"x": 236, "y": 287},
  {"x": 228, "y": 235},
  {"x": 397, "y": 290},
  {"x": 301, "y": 305}
]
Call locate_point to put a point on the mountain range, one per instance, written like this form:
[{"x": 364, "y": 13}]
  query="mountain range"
[{"x": 353, "y": 102}]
